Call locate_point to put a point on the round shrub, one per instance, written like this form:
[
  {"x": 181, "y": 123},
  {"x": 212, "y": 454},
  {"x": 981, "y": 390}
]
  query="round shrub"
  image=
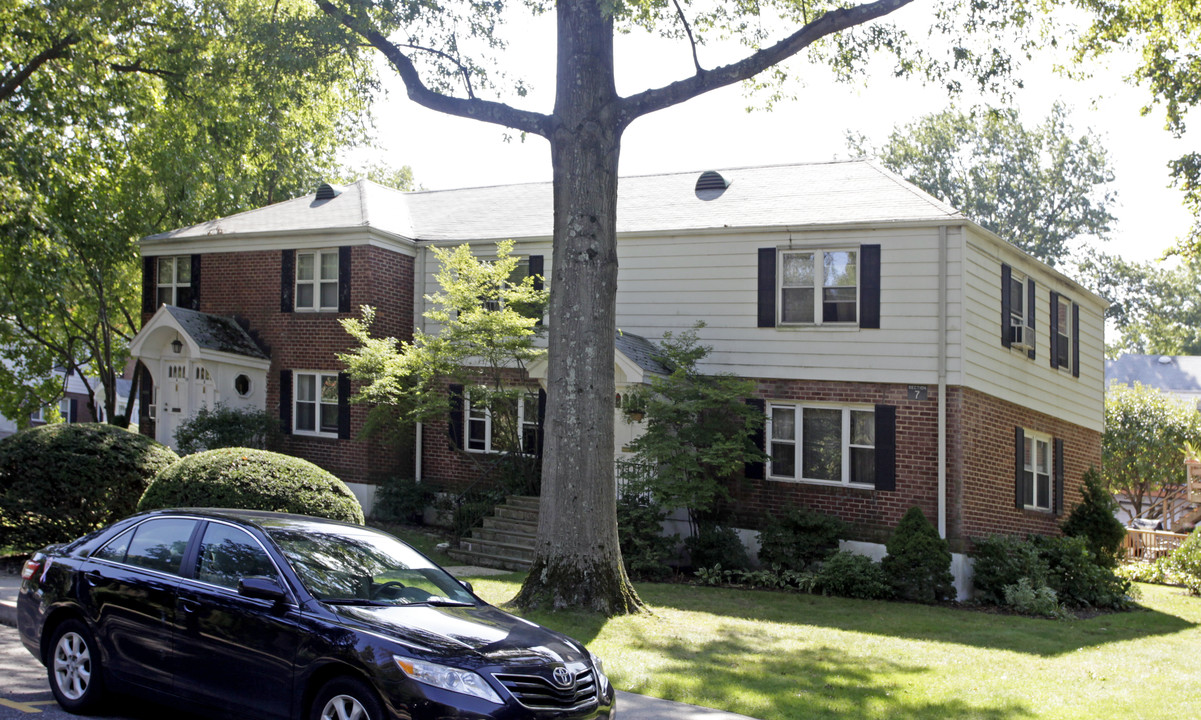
[
  {"x": 918, "y": 563},
  {"x": 60, "y": 481},
  {"x": 799, "y": 539},
  {"x": 846, "y": 574},
  {"x": 250, "y": 479},
  {"x": 717, "y": 545}
]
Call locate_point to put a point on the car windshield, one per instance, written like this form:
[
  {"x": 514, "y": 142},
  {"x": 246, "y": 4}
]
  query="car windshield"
[{"x": 360, "y": 566}]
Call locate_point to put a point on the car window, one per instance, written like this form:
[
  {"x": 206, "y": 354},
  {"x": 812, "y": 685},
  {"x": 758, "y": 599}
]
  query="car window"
[
  {"x": 116, "y": 548},
  {"x": 159, "y": 544},
  {"x": 228, "y": 554}
]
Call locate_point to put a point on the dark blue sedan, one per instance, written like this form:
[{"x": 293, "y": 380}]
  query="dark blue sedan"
[{"x": 284, "y": 616}]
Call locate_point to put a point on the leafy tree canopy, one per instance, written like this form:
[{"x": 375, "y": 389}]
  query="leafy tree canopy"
[
  {"x": 1155, "y": 305},
  {"x": 119, "y": 120},
  {"x": 1040, "y": 188}
]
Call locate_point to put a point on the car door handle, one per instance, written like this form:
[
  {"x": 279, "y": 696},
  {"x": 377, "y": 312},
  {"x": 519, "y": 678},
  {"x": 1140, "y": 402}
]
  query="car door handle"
[
  {"x": 91, "y": 578},
  {"x": 189, "y": 606}
]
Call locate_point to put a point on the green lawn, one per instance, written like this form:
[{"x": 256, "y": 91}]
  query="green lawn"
[{"x": 782, "y": 656}]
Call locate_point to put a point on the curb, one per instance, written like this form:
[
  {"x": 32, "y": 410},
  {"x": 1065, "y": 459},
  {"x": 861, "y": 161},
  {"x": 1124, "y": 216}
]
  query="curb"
[{"x": 8, "y": 614}]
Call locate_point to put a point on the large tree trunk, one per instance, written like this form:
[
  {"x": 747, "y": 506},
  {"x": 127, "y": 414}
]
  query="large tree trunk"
[{"x": 577, "y": 561}]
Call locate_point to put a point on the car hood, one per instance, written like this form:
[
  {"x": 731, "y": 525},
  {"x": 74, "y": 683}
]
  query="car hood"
[{"x": 491, "y": 635}]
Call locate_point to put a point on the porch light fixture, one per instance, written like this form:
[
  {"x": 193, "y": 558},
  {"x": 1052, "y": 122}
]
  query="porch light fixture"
[{"x": 176, "y": 346}]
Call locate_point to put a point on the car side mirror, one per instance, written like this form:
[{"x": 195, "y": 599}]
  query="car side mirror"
[
  {"x": 261, "y": 587},
  {"x": 467, "y": 585}
]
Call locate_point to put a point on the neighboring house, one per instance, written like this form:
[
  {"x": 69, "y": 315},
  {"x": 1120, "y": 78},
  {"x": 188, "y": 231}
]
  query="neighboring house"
[
  {"x": 903, "y": 355},
  {"x": 1177, "y": 375},
  {"x": 73, "y": 407}
]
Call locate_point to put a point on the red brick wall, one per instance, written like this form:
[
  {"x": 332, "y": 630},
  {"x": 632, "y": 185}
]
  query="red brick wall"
[
  {"x": 246, "y": 287},
  {"x": 980, "y": 464}
]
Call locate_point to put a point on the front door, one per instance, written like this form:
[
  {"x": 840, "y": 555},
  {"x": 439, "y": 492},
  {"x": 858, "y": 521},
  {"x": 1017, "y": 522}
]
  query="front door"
[{"x": 171, "y": 400}]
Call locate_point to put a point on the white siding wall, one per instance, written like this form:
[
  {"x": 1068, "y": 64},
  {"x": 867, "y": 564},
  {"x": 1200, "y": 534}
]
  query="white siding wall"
[{"x": 1001, "y": 372}]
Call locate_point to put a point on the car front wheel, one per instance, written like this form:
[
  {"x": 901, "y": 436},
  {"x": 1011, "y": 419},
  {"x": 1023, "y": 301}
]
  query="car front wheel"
[
  {"x": 346, "y": 698},
  {"x": 74, "y": 668}
]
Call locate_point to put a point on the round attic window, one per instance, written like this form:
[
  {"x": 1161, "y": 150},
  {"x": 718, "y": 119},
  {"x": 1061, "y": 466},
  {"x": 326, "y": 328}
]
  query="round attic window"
[{"x": 242, "y": 385}]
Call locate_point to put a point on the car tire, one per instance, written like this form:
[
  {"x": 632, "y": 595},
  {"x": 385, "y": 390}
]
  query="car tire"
[
  {"x": 73, "y": 667},
  {"x": 346, "y": 698}
]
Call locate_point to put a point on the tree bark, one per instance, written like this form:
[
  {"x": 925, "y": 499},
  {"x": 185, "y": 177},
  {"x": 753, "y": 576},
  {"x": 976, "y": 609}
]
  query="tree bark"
[{"x": 577, "y": 561}]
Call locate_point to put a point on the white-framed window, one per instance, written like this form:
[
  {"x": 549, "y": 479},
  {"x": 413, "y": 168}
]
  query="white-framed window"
[
  {"x": 175, "y": 281},
  {"x": 1062, "y": 342},
  {"x": 1019, "y": 325},
  {"x": 317, "y": 280},
  {"x": 822, "y": 444},
  {"x": 242, "y": 385},
  {"x": 1037, "y": 471},
  {"x": 483, "y": 435},
  {"x": 315, "y": 400},
  {"x": 819, "y": 286},
  {"x": 520, "y": 273}
]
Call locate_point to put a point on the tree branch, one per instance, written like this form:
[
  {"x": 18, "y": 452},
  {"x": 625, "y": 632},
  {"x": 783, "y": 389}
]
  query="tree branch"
[
  {"x": 59, "y": 49},
  {"x": 473, "y": 108},
  {"x": 696, "y": 61},
  {"x": 832, "y": 22}
]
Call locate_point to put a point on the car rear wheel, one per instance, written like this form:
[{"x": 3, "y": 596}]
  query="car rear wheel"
[
  {"x": 346, "y": 698},
  {"x": 74, "y": 668}
]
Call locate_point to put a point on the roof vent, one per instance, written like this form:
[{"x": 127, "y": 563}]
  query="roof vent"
[
  {"x": 710, "y": 185},
  {"x": 325, "y": 191}
]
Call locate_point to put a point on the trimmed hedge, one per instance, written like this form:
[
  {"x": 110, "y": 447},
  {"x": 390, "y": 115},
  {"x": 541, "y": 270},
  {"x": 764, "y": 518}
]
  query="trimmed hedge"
[
  {"x": 250, "y": 479},
  {"x": 918, "y": 563},
  {"x": 60, "y": 481}
]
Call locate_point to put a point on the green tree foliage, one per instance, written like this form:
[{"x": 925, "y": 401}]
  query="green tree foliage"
[
  {"x": 1095, "y": 520},
  {"x": 223, "y": 426},
  {"x": 1143, "y": 445},
  {"x": 1040, "y": 188},
  {"x": 446, "y": 55},
  {"x": 119, "y": 120},
  {"x": 58, "y": 482},
  {"x": 918, "y": 564},
  {"x": 1155, "y": 306},
  {"x": 699, "y": 429},
  {"x": 251, "y": 479},
  {"x": 488, "y": 318}
]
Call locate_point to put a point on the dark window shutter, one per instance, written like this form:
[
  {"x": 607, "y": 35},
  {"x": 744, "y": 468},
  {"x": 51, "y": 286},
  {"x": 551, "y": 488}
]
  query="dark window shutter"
[
  {"x": 73, "y": 411},
  {"x": 287, "y": 281},
  {"x": 195, "y": 304},
  {"x": 886, "y": 447},
  {"x": 1030, "y": 291},
  {"x": 1006, "y": 304},
  {"x": 756, "y": 470},
  {"x": 536, "y": 271},
  {"x": 149, "y": 285},
  {"x": 869, "y": 288},
  {"x": 541, "y": 418},
  {"x": 1075, "y": 341},
  {"x": 1019, "y": 470},
  {"x": 1057, "y": 492},
  {"x": 344, "y": 279},
  {"x": 455, "y": 421},
  {"x": 145, "y": 397},
  {"x": 285, "y": 401},
  {"x": 1053, "y": 352},
  {"x": 767, "y": 287},
  {"x": 343, "y": 406}
]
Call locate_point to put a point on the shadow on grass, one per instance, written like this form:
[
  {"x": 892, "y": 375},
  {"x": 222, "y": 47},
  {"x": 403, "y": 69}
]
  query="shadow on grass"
[{"x": 962, "y": 626}]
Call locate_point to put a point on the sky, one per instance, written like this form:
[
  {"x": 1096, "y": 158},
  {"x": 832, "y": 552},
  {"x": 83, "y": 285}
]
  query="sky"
[{"x": 716, "y": 132}]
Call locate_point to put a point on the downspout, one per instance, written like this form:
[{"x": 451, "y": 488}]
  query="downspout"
[
  {"x": 942, "y": 381},
  {"x": 418, "y": 315}
]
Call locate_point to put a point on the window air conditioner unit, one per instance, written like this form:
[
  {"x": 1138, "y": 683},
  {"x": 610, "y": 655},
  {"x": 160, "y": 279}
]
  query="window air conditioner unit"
[{"x": 1019, "y": 334}]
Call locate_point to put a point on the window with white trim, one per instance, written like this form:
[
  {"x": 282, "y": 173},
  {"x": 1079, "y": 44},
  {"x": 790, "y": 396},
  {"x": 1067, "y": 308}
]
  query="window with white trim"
[
  {"x": 315, "y": 401},
  {"x": 484, "y": 432},
  {"x": 317, "y": 280},
  {"x": 520, "y": 272},
  {"x": 1017, "y": 311},
  {"x": 822, "y": 444},
  {"x": 174, "y": 284},
  {"x": 819, "y": 287},
  {"x": 1037, "y": 471},
  {"x": 1062, "y": 342}
]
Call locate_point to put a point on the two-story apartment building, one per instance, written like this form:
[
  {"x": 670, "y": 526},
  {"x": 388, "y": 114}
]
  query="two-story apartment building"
[{"x": 903, "y": 355}]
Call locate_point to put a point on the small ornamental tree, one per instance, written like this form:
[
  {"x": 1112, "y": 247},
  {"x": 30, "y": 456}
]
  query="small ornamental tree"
[
  {"x": 1094, "y": 520},
  {"x": 60, "y": 481},
  {"x": 250, "y": 479},
  {"x": 699, "y": 430},
  {"x": 918, "y": 563}
]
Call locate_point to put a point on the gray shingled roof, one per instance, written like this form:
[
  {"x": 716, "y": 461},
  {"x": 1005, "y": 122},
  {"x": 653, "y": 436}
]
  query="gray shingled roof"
[
  {"x": 1172, "y": 373},
  {"x": 857, "y": 191},
  {"x": 220, "y": 334},
  {"x": 641, "y": 351}
]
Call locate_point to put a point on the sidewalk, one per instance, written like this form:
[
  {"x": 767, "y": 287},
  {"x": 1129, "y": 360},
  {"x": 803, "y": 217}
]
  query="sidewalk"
[{"x": 629, "y": 705}]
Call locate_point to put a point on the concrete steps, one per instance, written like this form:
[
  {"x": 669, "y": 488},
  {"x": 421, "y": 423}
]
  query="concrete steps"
[{"x": 506, "y": 538}]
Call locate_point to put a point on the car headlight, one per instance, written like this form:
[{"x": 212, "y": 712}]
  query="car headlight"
[
  {"x": 448, "y": 678},
  {"x": 601, "y": 678}
]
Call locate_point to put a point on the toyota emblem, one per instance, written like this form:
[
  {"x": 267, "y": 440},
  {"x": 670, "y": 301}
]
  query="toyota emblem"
[{"x": 563, "y": 677}]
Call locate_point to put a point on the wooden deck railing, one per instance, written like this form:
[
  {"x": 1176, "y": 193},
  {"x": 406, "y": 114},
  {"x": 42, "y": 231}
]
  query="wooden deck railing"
[{"x": 1150, "y": 544}]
